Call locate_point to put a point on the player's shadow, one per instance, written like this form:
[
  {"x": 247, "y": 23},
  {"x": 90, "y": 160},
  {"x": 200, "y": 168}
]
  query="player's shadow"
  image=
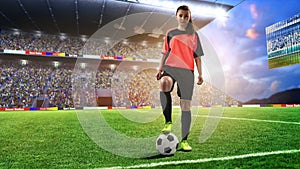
[{"x": 156, "y": 156}]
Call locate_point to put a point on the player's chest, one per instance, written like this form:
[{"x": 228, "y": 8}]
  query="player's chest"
[{"x": 182, "y": 40}]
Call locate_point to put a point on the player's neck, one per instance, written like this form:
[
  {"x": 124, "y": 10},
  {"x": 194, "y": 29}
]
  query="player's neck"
[{"x": 181, "y": 28}]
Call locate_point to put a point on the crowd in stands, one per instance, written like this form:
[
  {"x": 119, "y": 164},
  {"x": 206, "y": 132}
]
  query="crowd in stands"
[
  {"x": 139, "y": 51},
  {"x": 85, "y": 83},
  {"x": 62, "y": 87},
  {"x": 40, "y": 42},
  {"x": 21, "y": 84},
  {"x": 77, "y": 45},
  {"x": 66, "y": 87},
  {"x": 287, "y": 39},
  {"x": 134, "y": 87}
]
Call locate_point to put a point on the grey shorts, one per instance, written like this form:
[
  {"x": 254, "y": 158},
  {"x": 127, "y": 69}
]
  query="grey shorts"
[{"x": 184, "y": 79}]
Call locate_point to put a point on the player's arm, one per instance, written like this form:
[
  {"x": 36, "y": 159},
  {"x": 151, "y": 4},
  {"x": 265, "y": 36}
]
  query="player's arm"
[
  {"x": 197, "y": 55},
  {"x": 199, "y": 69},
  {"x": 161, "y": 63},
  {"x": 165, "y": 50}
]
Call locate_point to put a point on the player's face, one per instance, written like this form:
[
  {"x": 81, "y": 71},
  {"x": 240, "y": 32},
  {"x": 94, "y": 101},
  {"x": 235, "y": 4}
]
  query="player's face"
[{"x": 183, "y": 17}]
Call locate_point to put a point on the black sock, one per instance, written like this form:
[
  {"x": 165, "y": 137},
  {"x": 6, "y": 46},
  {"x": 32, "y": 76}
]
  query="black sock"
[
  {"x": 185, "y": 124},
  {"x": 166, "y": 103}
]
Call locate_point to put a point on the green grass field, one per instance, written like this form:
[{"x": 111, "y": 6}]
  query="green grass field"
[{"x": 244, "y": 138}]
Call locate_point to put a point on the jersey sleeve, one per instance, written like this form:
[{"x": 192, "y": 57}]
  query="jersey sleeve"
[
  {"x": 198, "y": 51},
  {"x": 166, "y": 46}
]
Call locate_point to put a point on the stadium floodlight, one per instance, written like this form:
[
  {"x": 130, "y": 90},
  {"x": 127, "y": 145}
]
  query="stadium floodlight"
[
  {"x": 159, "y": 44},
  {"x": 16, "y": 31},
  {"x": 135, "y": 67},
  {"x": 119, "y": 27},
  {"x": 153, "y": 35},
  {"x": 38, "y": 33},
  {"x": 84, "y": 37},
  {"x": 56, "y": 64},
  {"x": 144, "y": 43},
  {"x": 62, "y": 36},
  {"x": 125, "y": 41},
  {"x": 107, "y": 40},
  {"x": 139, "y": 30},
  {"x": 112, "y": 66},
  {"x": 24, "y": 62},
  {"x": 156, "y": 32},
  {"x": 83, "y": 65}
]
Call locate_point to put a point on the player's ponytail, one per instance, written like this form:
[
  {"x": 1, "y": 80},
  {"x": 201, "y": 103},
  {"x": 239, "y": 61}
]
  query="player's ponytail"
[{"x": 190, "y": 27}]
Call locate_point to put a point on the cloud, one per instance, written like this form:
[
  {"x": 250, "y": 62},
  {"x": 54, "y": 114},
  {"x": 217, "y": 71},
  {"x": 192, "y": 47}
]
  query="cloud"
[
  {"x": 243, "y": 89},
  {"x": 253, "y": 11},
  {"x": 251, "y": 33},
  {"x": 241, "y": 49},
  {"x": 275, "y": 86}
]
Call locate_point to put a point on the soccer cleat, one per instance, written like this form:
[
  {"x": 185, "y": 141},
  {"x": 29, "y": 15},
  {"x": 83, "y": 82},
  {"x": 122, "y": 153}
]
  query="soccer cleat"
[
  {"x": 184, "y": 146},
  {"x": 167, "y": 128}
]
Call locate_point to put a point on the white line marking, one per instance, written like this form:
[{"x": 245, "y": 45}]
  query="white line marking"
[
  {"x": 246, "y": 119},
  {"x": 205, "y": 159}
]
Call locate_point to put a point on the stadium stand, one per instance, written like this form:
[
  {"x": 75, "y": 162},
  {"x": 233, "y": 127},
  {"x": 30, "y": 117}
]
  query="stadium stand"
[
  {"x": 36, "y": 82},
  {"x": 40, "y": 42},
  {"x": 75, "y": 45}
]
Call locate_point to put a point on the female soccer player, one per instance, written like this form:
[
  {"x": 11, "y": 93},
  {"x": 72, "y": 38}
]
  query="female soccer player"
[{"x": 181, "y": 49}]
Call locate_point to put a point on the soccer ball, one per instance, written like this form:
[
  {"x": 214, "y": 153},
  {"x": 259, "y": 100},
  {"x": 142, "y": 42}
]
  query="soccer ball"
[{"x": 166, "y": 144}]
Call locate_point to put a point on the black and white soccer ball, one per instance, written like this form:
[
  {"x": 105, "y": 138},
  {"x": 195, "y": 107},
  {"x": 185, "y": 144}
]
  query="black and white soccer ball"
[{"x": 167, "y": 143}]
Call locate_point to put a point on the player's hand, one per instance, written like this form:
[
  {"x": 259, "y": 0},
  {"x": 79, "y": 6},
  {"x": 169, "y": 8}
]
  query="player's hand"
[
  {"x": 200, "y": 80},
  {"x": 158, "y": 75}
]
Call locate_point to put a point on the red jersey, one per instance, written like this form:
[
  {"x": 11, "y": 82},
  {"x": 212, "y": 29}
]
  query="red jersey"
[{"x": 181, "y": 49}]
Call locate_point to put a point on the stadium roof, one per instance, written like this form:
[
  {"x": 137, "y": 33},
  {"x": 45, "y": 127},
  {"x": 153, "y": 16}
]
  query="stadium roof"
[{"x": 84, "y": 17}]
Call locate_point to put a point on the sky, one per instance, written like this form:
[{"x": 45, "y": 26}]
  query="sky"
[{"x": 240, "y": 43}]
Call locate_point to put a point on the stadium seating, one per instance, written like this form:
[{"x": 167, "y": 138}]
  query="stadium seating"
[{"x": 41, "y": 84}]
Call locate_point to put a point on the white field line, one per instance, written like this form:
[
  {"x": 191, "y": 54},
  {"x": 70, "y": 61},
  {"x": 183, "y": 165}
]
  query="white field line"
[
  {"x": 205, "y": 159},
  {"x": 246, "y": 119}
]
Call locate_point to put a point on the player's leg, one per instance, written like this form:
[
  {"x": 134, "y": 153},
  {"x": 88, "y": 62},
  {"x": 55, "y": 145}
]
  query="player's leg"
[
  {"x": 186, "y": 118},
  {"x": 185, "y": 92},
  {"x": 166, "y": 85}
]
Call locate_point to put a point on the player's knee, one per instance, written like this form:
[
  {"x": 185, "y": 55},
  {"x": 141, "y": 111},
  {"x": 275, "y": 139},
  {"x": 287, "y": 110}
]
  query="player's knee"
[
  {"x": 166, "y": 84},
  {"x": 185, "y": 105}
]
